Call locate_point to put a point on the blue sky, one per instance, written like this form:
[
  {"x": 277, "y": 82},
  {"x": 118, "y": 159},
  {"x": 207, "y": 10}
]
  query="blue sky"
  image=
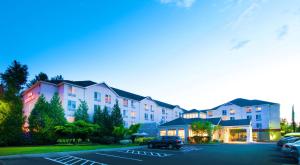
[{"x": 194, "y": 53}]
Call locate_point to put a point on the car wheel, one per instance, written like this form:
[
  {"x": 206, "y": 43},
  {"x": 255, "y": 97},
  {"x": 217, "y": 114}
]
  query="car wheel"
[
  {"x": 150, "y": 145},
  {"x": 170, "y": 146}
]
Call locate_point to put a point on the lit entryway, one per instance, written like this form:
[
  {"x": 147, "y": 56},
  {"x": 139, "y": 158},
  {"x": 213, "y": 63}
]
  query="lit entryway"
[{"x": 71, "y": 160}]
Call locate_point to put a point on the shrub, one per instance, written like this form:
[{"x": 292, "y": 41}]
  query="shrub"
[
  {"x": 143, "y": 140},
  {"x": 125, "y": 141}
]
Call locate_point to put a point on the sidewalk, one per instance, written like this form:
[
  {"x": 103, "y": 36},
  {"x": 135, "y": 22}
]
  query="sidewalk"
[{"x": 65, "y": 153}]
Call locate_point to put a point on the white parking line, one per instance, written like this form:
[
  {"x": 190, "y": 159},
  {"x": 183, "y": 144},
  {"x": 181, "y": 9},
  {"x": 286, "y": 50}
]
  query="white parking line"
[
  {"x": 70, "y": 160},
  {"x": 109, "y": 155},
  {"x": 146, "y": 153}
]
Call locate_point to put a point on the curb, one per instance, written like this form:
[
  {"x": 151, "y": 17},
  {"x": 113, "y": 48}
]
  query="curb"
[{"x": 65, "y": 153}]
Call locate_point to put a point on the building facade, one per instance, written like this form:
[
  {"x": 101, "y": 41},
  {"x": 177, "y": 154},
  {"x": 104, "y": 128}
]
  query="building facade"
[
  {"x": 240, "y": 119},
  {"x": 134, "y": 108}
]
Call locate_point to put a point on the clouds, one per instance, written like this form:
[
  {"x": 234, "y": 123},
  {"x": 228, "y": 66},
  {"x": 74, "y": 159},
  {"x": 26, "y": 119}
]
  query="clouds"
[
  {"x": 179, "y": 3},
  {"x": 245, "y": 14},
  {"x": 282, "y": 32},
  {"x": 240, "y": 44}
]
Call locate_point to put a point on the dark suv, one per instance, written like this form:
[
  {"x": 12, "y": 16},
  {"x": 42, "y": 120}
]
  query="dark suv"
[{"x": 166, "y": 141}]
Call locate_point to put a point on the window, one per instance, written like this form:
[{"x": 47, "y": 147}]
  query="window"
[
  {"x": 209, "y": 113},
  {"x": 152, "y": 117},
  {"x": 258, "y": 108},
  {"x": 132, "y": 104},
  {"x": 232, "y": 118},
  {"x": 232, "y": 111},
  {"x": 163, "y": 111},
  {"x": 97, "y": 96},
  {"x": 249, "y": 117},
  {"x": 162, "y": 132},
  {"x": 176, "y": 114},
  {"x": 224, "y": 112},
  {"x": 133, "y": 114},
  {"x": 171, "y": 132},
  {"x": 151, "y": 108},
  {"x": 125, "y": 123},
  {"x": 125, "y": 102},
  {"x": 248, "y": 110},
  {"x": 71, "y": 105},
  {"x": 71, "y": 91},
  {"x": 146, "y": 107},
  {"x": 124, "y": 113},
  {"x": 146, "y": 116},
  {"x": 258, "y": 125},
  {"x": 107, "y": 99},
  {"x": 96, "y": 107},
  {"x": 258, "y": 117}
]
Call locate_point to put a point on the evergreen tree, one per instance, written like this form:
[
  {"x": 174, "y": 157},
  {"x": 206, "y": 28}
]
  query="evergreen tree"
[
  {"x": 58, "y": 77},
  {"x": 116, "y": 116},
  {"x": 40, "y": 122},
  {"x": 98, "y": 116},
  {"x": 57, "y": 111},
  {"x": 82, "y": 112},
  {"x": 13, "y": 80},
  {"x": 40, "y": 77},
  {"x": 106, "y": 122}
]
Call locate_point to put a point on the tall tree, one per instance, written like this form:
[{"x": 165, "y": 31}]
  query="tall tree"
[
  {"x": 14, "y": 78},
  {"x": 58, "y": 77},
  {"x": 82, "y": 112},
  {"x": 13, "y": 81},
  {"x": 56, "y": 111},
  {"x": 293, "y": 120},
  {"x": 107, "y": 123},
  {"x": 116, "y": 116},
  {"x": 40, "y": 77},
  {"x": 98, "y": 116}
]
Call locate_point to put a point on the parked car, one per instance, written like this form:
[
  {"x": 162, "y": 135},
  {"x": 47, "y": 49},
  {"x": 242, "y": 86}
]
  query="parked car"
[
  {"x": 285, "y": 140},
  {"x": 170, "y": 142},
  {"x": 293, "y": 134},
  {"x": 295, "y": 152},
  {"x": 286, "y": 148}
]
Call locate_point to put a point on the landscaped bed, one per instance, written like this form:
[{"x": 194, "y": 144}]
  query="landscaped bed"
[{"x": 54, "y": 148}]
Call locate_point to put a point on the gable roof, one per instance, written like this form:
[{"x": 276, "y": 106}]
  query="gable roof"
[
  {"x": 235, "y": 122},
  {"x": 244, "y": 102},
  {"x": 166, "y": 105},
  {"x": 183, "y": 121},
  {"x": 78, "y": 83},
  {"x": 129, "y": 95}
]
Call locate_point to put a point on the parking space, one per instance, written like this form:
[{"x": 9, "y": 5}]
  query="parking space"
[{"x": 234, "y": 154}]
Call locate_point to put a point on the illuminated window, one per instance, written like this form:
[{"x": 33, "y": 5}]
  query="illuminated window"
[
  {"x": 258, "y": 108},
  {"x": 171, "y": 132},
  {"x": 181, "y": 134},
  {"x": 108, "y": 99},
  {"x": 71, "y": 105},
  {"x": 70, "y": 119},
  {"x": 248, "y": 110},
  {"x": 225, "y": 118},
  {"x": 232, "y": 111},
  {"x": 133, "y": 114},
  {"x": 125, "y": 102},
  {"x": 97, "y": 96},
  {"x": 209, "y": 113},
  {"x": 162, "y": 132},
  {"x": 71, "y": 91}
]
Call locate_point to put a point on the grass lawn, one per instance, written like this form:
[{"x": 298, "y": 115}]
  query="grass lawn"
[{"x": 53, "y": 148}]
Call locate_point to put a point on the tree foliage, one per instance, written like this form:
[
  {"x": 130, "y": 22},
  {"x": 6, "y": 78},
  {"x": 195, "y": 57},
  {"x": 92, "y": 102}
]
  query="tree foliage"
[
  {"x": 40, "y": 77},
  {"x": 202, "y": 127},
  {"x": 285, "y": 127},
  {"x": 82, "y": 112},
  {"x": 43, "y": 119},
  {"x": 58, "y": 77},
  {"x": 116, "y": 116},
  {"x": 13, "y": 81}
]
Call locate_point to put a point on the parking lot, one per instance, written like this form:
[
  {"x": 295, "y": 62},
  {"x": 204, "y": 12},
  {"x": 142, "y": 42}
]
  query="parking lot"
[{"x": 238, "y": 154}]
